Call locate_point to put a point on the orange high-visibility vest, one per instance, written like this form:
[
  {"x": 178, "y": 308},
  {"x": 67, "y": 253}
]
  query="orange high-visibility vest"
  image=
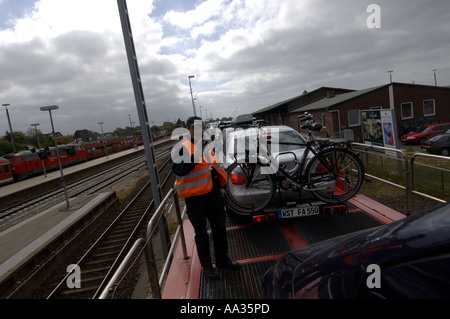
[{"x": 199, "y": 180}]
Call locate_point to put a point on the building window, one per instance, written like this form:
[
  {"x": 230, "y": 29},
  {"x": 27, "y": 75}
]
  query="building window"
[
  {"x": 429, "y": 108},
  {"x": 323, "y": 121},
  {"x": 376, "y": 107},
  {"x": 353, "y": 118},
  {"x": 407, "y": 110}
]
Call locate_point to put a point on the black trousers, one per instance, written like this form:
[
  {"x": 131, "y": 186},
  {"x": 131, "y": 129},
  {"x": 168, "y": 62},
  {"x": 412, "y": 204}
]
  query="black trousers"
[{"x": 209, "y": 207}]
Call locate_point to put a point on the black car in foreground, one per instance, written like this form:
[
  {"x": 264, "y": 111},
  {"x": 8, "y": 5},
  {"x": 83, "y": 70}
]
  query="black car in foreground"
[{"x": 407, "y": 259}]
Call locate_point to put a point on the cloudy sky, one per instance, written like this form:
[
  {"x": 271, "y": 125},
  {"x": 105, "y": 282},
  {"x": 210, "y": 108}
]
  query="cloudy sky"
[{"x": 244, "y": 54}]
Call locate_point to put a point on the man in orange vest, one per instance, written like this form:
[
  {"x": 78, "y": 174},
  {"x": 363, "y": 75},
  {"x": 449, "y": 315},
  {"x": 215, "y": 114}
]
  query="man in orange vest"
[{"x": 199, "y": 178}]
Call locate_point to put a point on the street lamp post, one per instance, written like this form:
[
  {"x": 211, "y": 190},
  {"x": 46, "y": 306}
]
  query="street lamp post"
[
  {"x": 104, "y": 144},
  {"x": 10, "y": 127},
  {"x": 435, "y": 79},
  {"x": 39, "y": 146},
  {"x": 192, "y": 96},
  {"x": 49, "y": 109},
  {"x": 390, "y": 75}
]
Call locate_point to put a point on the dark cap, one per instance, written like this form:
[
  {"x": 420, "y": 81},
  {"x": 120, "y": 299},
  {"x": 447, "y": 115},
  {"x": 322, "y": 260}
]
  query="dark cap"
[{"x": 191, "y": 120}]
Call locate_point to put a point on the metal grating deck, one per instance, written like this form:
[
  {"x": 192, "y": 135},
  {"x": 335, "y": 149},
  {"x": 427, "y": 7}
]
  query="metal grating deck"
[
  {"x": 244, "y": 283},
  {"x": 246, "y": 243},
  {"x": 254, "y": 241},
  {"x": 314, "y": 230},
  {"x": 258, "y": 247}
]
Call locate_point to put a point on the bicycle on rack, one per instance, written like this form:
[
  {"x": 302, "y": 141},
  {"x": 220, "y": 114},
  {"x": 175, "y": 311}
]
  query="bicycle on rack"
[{"x": 331, "y": 172}]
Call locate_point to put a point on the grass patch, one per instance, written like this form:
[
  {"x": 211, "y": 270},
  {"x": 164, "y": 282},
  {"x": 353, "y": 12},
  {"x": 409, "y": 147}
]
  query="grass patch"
[{"x": 431, "y": 176}]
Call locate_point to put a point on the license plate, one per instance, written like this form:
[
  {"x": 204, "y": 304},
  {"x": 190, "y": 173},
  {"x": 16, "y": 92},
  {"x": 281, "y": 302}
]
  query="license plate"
[{"x": 298, "y": 212}]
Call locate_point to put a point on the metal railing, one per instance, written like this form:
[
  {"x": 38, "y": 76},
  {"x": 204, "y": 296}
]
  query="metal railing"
[
  {"x": 405, "y": 168},
  {"x": 412, "y": 175},
  {"x": 145, "y": 246}
]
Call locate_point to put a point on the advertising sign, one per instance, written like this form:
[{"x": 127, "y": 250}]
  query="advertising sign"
[
  {"x": 388, "y": 128},
  {"x": 379, "y": 127},
  {"x": 372, "y": 127}
]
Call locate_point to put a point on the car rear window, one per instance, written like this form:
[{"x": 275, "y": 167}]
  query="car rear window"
[{"x": 291, "y": 140}]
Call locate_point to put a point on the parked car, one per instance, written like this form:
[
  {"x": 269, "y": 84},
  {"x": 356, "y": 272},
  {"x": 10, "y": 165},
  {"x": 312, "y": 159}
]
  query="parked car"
[
  {"x": 406, "y": 259},
  {"x": 429, "y": 131},
  {"x": 416, "y": 125},
  {"x": 438, "y": 144}
]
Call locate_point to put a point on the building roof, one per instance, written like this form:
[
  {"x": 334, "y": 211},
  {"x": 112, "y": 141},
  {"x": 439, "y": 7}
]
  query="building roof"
[
  {"x": 285, "y": 102},
  {"x": 327, "y": 102}
]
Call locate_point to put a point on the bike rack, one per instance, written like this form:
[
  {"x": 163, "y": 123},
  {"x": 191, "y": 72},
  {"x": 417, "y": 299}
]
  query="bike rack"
[{"x": 145, "y": 246}]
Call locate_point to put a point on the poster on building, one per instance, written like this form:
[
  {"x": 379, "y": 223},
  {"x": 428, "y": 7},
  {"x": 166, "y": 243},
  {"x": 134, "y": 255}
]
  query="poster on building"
[
  {"x": 378, "y": 128},
  {"x": 372, "y": 127},
  {"x": 388, "y": 128}
]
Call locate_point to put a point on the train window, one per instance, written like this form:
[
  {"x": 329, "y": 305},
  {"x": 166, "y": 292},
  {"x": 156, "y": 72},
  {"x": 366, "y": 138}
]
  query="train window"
[
  {"x": 5, "y": 169},
  {"x": 30, "y": 156},
  {"x": 70, "y": 151}
]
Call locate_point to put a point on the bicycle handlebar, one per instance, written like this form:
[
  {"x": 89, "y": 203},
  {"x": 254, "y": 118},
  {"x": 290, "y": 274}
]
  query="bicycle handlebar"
[{"x": 306, "y": 117}]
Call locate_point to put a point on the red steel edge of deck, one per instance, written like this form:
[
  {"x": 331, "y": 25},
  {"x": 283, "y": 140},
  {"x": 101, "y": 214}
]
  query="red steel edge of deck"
[{"x": 257, "y": 247}]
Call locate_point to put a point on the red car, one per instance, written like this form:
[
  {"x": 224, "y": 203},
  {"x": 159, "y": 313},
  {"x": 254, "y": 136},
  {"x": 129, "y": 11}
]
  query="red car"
[{"x": 429, "y": 131}]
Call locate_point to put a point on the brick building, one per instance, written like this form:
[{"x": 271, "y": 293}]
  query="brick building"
[
  {"x": 277, "y": 114},
  {"x": 339, "y": 110}
]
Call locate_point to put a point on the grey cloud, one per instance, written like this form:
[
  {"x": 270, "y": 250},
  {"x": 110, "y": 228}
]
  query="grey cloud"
[{"x": 330, "y": 45}]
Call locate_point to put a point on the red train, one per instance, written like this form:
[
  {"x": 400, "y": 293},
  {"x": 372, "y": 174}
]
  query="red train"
[
  {"x": 24, "y": 164},
  {"x": 6, "y": 175}
]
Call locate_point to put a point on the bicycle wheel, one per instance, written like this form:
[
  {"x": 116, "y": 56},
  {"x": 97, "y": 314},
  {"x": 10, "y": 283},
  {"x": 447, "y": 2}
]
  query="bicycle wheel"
[
  {"x": 340, "y": 183},
  {"x": 248, "y": 190}
]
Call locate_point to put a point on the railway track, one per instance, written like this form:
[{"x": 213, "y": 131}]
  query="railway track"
[
  {"x": 101, "y": 259},
  {"x": 106, "y": 179},
  {"x": 106, "y": 248}
]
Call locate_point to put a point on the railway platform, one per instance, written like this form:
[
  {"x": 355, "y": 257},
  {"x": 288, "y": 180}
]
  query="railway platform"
[
  {"x": 30, "y": 245},
  {"x": 257, "y": 247}
]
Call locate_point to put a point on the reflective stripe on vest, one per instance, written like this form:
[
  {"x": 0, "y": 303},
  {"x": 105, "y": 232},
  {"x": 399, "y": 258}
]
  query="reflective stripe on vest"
[
  {"x": 194, "y": 184},
  {"x": 198, "y": 181}
]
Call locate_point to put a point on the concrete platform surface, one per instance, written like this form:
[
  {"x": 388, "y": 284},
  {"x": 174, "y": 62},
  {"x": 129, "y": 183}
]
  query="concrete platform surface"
[{"x": 21, "y": 242}]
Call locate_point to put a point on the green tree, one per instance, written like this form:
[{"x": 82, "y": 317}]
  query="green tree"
[
  {"x": 5, "y": 147},
  {"x": 20, "y": 142},
  {"x": 155, "y": 129},
  {"x": 33, "y": 139},
  {"x": 168, "y": 126},
  {"x": 123, "y": 132}
]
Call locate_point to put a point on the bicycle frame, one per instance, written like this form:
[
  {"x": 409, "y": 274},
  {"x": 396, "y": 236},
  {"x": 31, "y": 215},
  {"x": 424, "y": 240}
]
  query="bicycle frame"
[{"x": 311, "y": 147}]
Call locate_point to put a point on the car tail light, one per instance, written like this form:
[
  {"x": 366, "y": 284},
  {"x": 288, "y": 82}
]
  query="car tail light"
[
  {"x": 238, "y": 179},
  {"x": 333, "y": 210},
  {"x": 267, "y": 218}
]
